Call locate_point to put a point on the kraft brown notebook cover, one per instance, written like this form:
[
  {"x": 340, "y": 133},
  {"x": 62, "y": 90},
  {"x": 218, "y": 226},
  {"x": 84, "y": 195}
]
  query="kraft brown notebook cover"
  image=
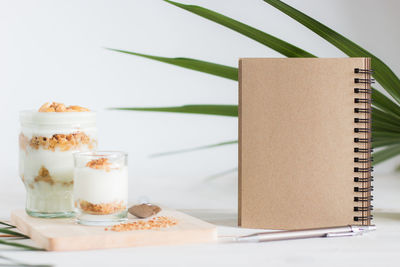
[{"x": 304, "y": 142}]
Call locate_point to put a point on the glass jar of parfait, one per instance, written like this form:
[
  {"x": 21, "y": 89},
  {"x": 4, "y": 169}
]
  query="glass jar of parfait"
[
  {"x": 47, "y": 141},
  {"x": 101, "y": 187}
]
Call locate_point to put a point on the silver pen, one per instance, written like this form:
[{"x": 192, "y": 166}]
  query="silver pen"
[{"x": 349, "y": 230}]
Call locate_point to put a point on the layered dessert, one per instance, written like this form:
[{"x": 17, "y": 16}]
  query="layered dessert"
[
  {"x": 101, "y": 186},
  {"x": 47, "y": 141}
]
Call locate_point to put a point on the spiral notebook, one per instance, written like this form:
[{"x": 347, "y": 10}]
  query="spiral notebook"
[{"x": 304, "y": 142}]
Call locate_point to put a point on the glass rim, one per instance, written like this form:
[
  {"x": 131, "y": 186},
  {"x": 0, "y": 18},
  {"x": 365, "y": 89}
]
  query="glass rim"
[
  {"x": 34, "y": 117},
  {"x": 100, "y": 154}
]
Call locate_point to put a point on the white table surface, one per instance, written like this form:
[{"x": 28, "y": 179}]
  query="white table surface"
[{"x": 380, "y": 248}]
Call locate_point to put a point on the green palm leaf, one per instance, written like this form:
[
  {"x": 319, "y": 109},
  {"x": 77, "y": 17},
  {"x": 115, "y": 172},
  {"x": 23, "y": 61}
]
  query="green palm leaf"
[
  {"x": 386, "y": 142},
  {"x": 220, "y": 174},
  {"x": 10, "y": 232},
  {"x": 386, "y": 116},
  {"x": 384, "y": 103},
  {"x": 386, "y": 153},
  {"x": 276, "y": 44},
  {"x": 195, "y": 148},
  {"x": 381, "y": 116},
  {"x": 193, "y": 64},
  {"x": 6, "y": 224},
  {"x": 383, "y": 74},
  {"x": 223, "y": 110},
  {"x": 380, "y": 100},
  {"x": 379, "y": 135},
  {"x": 384, "y": 126}
]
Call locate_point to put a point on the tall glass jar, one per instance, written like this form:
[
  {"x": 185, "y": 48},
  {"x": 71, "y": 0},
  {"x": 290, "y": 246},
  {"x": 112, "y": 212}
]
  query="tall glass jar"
[{"x": 46, "y": 144}]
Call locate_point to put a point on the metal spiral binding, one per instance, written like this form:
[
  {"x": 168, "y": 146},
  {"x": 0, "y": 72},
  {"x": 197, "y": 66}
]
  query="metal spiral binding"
[
  {"x": 359, "y": 120},
  {"x": 362, "y": 140},
  {"x": 362, "y": 110},
  {"x": 364, "y": 170},
  {"x": 368, "y": 169},
  {"x": 363, "y": 189},
  {"x": 362, "y": 90},
  {"x": 363, "y": 218},
  {"x": 366, "y": 81},
  {"x": 363, "y": 100},
  {"x": 363, "y": 199},
  {"x": 364, "y": 208},
  {"x": 364, "y": 179},
  {"x": 362, "y": 130},
  {"x": 362, "y": 150},
  {"x": 367, "y": 71},
  {"x": 364, "y": 160}
]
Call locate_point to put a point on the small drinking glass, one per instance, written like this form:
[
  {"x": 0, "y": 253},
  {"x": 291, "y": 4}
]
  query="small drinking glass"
[{"x": 100, "y": 187}]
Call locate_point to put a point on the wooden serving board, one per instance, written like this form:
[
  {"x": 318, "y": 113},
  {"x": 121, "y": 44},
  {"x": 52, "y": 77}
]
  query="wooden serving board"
[{"x": 66, "y": 234}]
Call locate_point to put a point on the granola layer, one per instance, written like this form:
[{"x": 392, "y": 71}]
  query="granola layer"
[
  {"x": 64, "y": 142},
  {"x": 44, "y": 176},
  {"x": 103, "y": 208}
]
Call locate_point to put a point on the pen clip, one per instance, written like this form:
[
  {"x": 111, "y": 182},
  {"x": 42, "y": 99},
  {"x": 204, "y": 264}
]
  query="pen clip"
[{"x": 343, "y": 234}]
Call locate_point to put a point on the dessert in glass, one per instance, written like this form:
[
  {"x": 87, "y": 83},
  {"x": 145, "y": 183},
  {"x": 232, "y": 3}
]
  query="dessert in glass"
[
  {"x": 101, "y": 187},
  {"x": 47, "y": 141}
]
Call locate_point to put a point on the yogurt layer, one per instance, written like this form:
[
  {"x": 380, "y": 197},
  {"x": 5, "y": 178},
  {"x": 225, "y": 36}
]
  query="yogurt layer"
[{"x": 99, "y": 186}]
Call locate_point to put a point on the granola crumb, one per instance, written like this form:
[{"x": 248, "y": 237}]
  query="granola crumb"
[
  {"x": 60, "y": 107},
  {"x": 102, "y": 209},
  {"x": 44, "y": 176},
  {"x": 70, "y": 183},
  {"x": 99, "y": 164},
  {"x": 151, "y": 224},
  {"x": 77, "y": 109}
]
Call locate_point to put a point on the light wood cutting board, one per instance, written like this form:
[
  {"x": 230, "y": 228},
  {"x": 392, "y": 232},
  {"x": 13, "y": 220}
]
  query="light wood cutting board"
[{"x": 66, "y": 234}]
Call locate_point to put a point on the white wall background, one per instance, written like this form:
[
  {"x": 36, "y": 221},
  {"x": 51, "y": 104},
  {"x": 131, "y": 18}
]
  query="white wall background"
[{"x": 54, "y": 51}]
